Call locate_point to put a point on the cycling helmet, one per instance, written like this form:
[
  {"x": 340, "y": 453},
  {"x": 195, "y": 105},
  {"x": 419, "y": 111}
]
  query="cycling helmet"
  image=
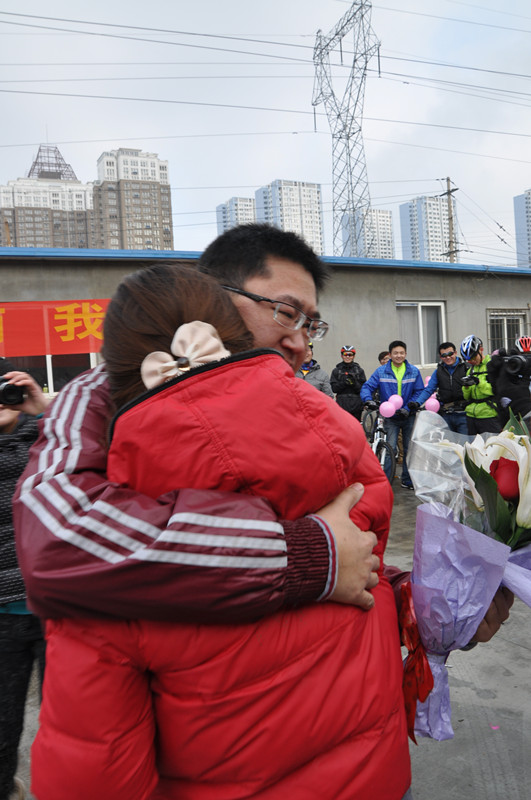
[
  {"x": 524, "y": 344},
  {"x": 348, "y": 348},
  {"x": 470, "y": 346}
]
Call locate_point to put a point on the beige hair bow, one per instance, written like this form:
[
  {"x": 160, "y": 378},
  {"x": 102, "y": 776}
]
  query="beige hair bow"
[{"x": 195, "y": 343}]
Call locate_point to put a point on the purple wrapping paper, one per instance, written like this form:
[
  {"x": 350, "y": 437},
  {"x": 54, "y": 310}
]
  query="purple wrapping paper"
[
  {"x": 456, "y": 572},
  {"x": 517, "y": 575}
]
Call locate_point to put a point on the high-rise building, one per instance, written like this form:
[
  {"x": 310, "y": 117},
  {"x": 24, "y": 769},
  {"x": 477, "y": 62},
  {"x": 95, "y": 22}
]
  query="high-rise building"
[
  {"x": 132, "y": 202},
  {"x": 374, "y": 233},
  {"x": 127, "y": 208},
  {"x": 236, "y": 211},
  {"x": 48, "y": 208},
  {"x": 425, "y": 229},
  {"x": 293, "y": 206},
  {"x": 522, "y": 224}
]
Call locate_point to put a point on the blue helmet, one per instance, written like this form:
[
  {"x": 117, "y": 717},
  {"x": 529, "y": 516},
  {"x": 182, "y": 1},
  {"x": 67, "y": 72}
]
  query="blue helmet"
[{"x": 470, "y": 346}]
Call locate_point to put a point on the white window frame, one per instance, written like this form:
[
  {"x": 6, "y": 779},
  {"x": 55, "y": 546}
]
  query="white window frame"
[{"x": 422, "y": 345}]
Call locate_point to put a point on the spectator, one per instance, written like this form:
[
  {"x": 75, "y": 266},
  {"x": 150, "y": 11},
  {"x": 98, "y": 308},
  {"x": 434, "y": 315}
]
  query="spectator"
[
  {"x": 510, "y": 378},
  {"x": 383, "y": 357},
  {"x": 481, "y": 409},
  {"x": 311, "y": 372},
  {"x": 446, "y": 381},
  {"x": 21, "y": 635},
  {"x": 400, "y": 377},
  {"x": 346, "y": 380}
]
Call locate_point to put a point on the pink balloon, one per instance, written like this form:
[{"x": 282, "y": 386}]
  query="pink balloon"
[
  {"x": 432, "y": 404},
  {"x": 396, "y": 401},
  {"x": 426, "y": 380},
  {"x": 387, "y": 409}
]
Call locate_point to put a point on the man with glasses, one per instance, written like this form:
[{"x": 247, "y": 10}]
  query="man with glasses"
[
  {"x": 102, "y": 538},
  {"x": 447, "y": 382}
]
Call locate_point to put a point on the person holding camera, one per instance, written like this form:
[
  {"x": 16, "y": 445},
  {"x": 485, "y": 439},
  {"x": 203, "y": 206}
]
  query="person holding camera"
[
  {"x": 481, "y": 409},
  {"x": 510, "y": 376},
  {"x": 21, "y": 638}
]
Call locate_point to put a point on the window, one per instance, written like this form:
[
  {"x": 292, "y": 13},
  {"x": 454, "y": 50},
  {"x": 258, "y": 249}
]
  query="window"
[
  {"x": 504, "y": 326},
  {"x": 422, "y": 327}
]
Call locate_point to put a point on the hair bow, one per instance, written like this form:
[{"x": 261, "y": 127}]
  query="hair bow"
[{"x": 194, "y": 343}]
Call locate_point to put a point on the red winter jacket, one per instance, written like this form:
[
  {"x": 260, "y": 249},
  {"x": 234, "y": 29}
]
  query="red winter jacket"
[{"x": 304, "y": 704}]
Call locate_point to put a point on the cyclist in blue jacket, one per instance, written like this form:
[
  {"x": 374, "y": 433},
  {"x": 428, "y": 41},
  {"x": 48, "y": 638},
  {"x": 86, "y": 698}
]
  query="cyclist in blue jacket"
[{"x": 400, "y": 377}]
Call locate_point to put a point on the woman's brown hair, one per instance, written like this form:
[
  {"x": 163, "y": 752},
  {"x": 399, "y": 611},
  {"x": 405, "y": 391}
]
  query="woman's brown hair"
[{"x": 146, "y": 310}]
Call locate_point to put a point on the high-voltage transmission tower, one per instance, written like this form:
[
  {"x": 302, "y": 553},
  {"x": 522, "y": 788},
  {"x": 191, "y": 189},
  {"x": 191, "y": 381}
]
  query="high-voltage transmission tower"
[{"x": 353, "y": 231}]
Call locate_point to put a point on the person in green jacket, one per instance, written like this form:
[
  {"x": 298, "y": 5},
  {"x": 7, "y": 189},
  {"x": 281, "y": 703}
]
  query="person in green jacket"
[{"x": 481, "y": 409}]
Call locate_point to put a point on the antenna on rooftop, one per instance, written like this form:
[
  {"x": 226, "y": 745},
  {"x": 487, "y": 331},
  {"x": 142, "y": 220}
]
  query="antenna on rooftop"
[{"x": 351, "y": 202}]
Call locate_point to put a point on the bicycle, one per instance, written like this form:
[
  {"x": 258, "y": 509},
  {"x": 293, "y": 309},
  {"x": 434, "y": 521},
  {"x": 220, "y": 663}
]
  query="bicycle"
[{"x": 373, "y": 425}]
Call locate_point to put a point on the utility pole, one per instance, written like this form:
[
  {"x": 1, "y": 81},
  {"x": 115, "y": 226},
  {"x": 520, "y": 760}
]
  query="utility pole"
[
  {"x": 452, "y": 244},
  {"x": 353, "y": 231}
]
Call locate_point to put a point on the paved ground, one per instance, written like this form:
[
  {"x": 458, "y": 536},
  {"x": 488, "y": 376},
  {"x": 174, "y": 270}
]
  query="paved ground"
[{"x": 490, "y": 755}]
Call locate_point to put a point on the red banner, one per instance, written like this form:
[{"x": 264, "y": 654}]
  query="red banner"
[{"x": 51, "y": 327}]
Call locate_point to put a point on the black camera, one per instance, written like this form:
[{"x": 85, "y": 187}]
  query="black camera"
[
  {"x": 10, "y": 395},
  {"x": 469, "y": 380},
  {"x": 518, "y": 365}
]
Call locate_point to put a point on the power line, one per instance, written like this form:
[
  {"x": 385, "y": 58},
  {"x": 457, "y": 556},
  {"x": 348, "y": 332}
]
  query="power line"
[
  {"x": 157, "y": 41},
  {"x": 446, "y": 150},
  {"x": 453, "y": 19},
  {"x": 490, "y": 10},
  {"x": 238, "y": 38},
  {"x": 257, "y": 108}
]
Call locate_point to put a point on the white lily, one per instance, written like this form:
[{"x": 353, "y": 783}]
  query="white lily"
[{"x": 476, "y": 452}]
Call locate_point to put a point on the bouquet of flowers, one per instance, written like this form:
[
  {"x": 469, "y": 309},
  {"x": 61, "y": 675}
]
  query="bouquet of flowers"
[{"x": 473, "y": 534}]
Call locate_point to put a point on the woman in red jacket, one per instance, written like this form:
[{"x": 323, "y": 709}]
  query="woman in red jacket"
[{"x": 306, "y": 703}]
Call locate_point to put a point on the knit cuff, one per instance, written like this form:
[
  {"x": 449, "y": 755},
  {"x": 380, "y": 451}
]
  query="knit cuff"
[{"x": 312, "y": 561}]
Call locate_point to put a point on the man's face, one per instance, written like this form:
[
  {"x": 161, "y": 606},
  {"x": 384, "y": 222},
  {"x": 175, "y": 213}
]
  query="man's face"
[
  {"x": 448, "y": 356},
  {"x": 309, "y": 355},
  {"x": 291, "y": 283},
  {"x": 398, "y": 356},
  {"x": 476, "y": 360},
  {"x": 8, "y": 419},
  {"x": 348, "y": 358},
  {"x": 384, "y": 359}
]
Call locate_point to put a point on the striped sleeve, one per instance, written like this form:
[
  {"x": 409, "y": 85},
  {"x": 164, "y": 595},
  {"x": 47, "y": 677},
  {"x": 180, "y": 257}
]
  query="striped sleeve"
[{"x": 90, "y": 547}]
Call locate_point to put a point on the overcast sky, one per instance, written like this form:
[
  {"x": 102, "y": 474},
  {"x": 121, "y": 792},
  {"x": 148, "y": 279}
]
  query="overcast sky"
[{"x": 223, "y": 91}]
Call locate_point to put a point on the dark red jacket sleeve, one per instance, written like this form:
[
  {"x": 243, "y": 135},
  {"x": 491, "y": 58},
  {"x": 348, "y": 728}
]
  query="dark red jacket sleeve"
[{"x": 88, "y": 547}]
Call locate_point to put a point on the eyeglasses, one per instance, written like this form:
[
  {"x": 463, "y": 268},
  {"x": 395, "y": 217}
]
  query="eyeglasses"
[
  {"x": 289, "y": 316},
  {"x": 448, "y": 355}
]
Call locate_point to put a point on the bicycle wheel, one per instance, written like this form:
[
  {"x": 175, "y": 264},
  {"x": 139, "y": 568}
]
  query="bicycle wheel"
[
  {"x": 368, "y": 422},
  {"x": 387, "y": 458}
]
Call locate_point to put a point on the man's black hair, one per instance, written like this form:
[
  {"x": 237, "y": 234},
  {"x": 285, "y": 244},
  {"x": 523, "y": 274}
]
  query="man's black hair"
[
  {"x": 240, "y": 253},
  {"x": 397, "y": 343},
  {"x": 445, "y": 345}
]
